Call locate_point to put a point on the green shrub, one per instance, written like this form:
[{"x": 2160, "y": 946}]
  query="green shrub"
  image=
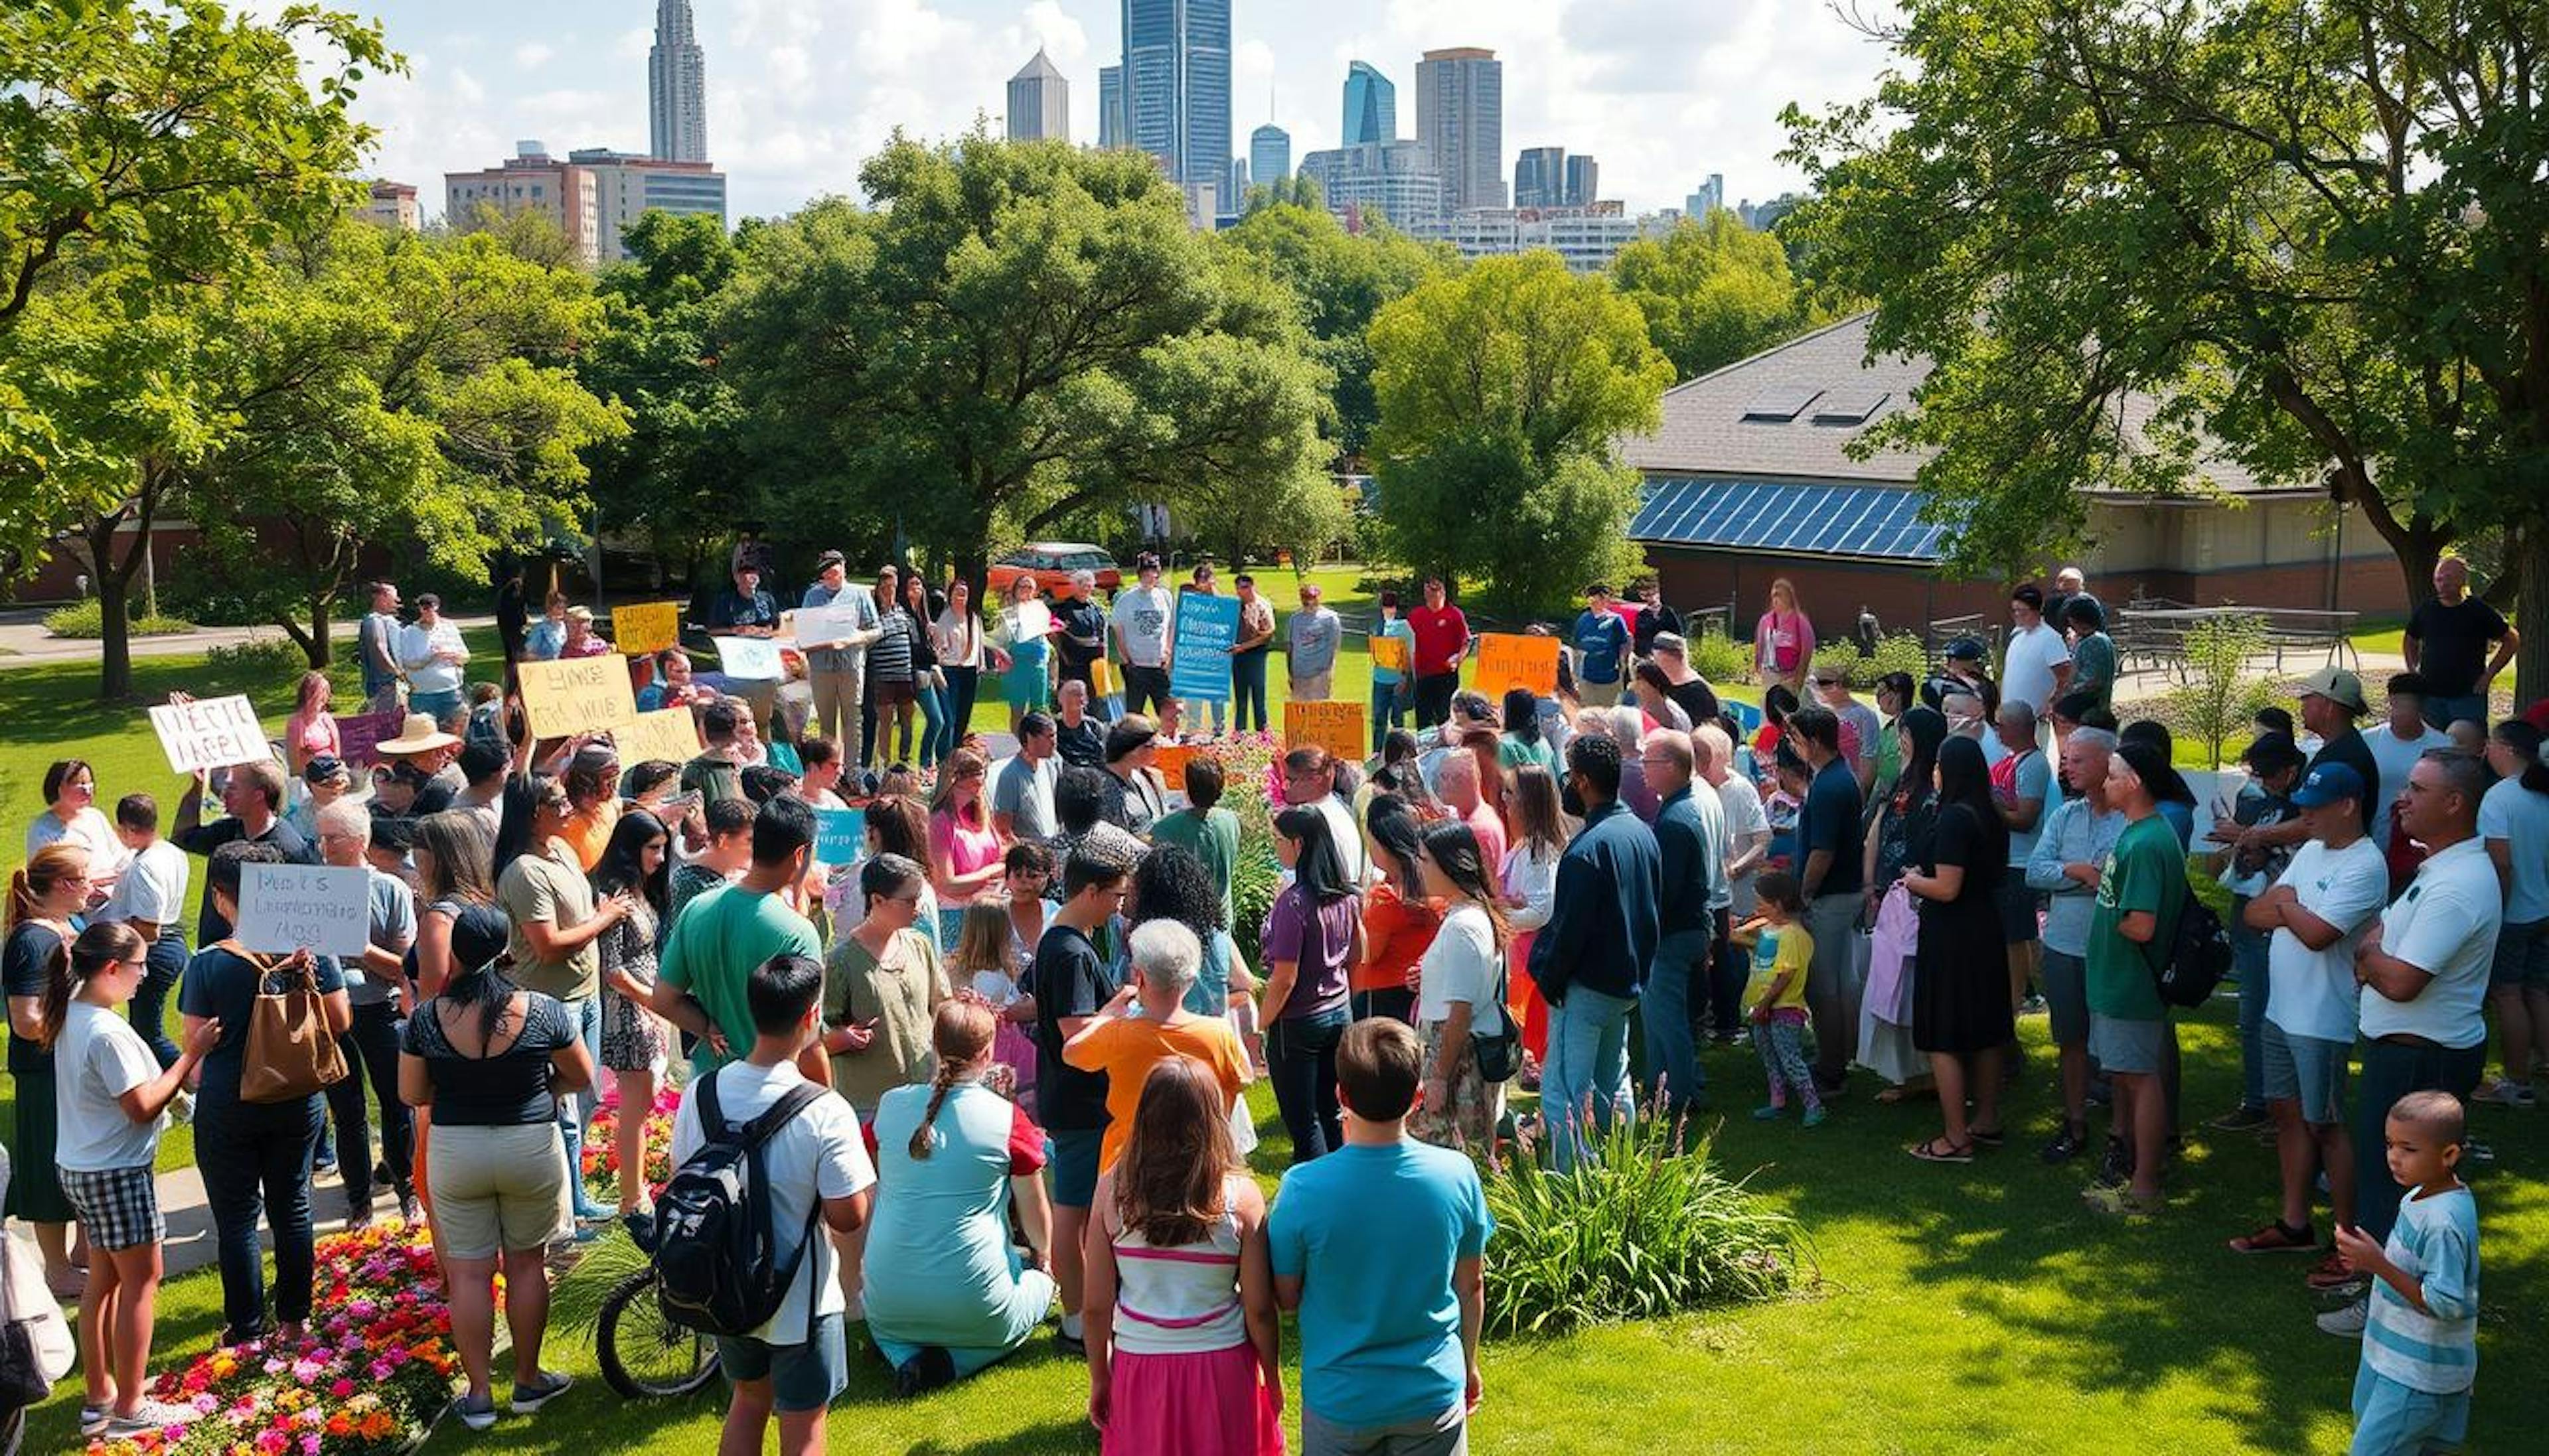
[
  {"x": 1638, "y": 1231},
  {"x": 261, "y": 662},
  {"x": 1719, "y": 658},
  {"x": 86, "y": 618},
  {"x": 1896, "y": 652}
]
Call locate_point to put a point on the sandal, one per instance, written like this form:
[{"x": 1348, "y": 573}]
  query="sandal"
[
  {"x": 1940, "y": 1150},
  {"x": 2276, "y": 1239},
  {"x": 1989, "y": 1141}
]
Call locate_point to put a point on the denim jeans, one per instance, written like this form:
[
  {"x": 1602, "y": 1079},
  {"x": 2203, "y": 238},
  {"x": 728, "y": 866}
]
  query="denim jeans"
[
  {"x": 577, "y": 1110},
  {"x": 1673, "y": 1072},
  {"x": 1301, "y": 1062},
  {"x": 1390, "y": 702},
  {"x": 1587, "y": 1067},
  {"x": 2390, "y": 1070},
  {"x": 2249, "y": 957},
  {"x": 962, "y": 686},
  {"x": 435, "y": 706},
  {"x": 150, "y": 1008},
  {"x": 2441, "y": 713},
  {"x": 1248, "y": 690},
  {"x": 933, "y": 722},
  {"x": 255, "y": 1161}
]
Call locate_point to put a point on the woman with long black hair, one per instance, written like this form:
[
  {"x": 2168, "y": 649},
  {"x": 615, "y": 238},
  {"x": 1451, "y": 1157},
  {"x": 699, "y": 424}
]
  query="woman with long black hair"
[
  {"x": 1311, "y": 935},
  {"x": 635, "y": 1043},
  {"x": 1960, "y": 1008}
]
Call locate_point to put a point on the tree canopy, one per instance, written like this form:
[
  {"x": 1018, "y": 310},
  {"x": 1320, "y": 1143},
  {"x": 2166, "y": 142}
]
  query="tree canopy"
[
  {"x": 1714, "y": 291},
  {"x": 1342, "y": 280}
]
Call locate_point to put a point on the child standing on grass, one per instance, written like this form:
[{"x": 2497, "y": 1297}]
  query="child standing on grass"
[
  {"x": 113, "y": 1099},
  {"x": 1775, "y": 999},
  {"x": 2412, "y": 1390}
]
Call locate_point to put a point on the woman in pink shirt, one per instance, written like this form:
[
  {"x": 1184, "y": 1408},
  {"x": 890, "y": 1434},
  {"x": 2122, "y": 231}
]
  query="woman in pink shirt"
[
  {"x": 964, "y": 850},
  {"x": 1783, "y": 640},
  {"x": 310, "y": 733}
]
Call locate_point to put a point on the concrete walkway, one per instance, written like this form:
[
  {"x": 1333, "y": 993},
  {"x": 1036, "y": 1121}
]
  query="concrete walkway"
[{"x": 190, "y": 1245}]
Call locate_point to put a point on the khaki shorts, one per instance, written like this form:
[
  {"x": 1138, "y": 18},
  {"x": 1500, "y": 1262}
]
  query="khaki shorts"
[{"x": 498, "y": 1189}]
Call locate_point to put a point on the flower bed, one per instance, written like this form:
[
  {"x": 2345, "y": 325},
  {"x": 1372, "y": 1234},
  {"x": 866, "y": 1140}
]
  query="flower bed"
[
  {"x": 370, "y": 1375},
  {"x": 602, "y": 1144}
]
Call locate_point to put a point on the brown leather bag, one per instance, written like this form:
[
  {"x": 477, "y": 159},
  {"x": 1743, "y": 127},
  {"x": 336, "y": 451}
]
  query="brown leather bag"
[{"x": 291, "y": 1053}]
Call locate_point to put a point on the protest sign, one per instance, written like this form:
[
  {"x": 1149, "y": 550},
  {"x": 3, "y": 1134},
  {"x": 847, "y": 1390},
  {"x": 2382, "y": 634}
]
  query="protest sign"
[
  {"x": 823, "y": 626},
  {"x": 1342, "y": 728},
  {"x": 840, "y": 835},
  {"x": 1199, "y": 654},
  {"x": 284, "y": 907},
  {"x": 211, "y": 733},
  {"x": 642, "y": 627},
  {"x": 1172, "y": 764},
  {"x": 584, "y": 695},
  {"x": 1389, "y": 654},
  {"x": 750, "y": 658},
  {"x": 669, "y": 735},
  {"x": 1512, "y": 660},
  {"x": 360, "y": 736}
]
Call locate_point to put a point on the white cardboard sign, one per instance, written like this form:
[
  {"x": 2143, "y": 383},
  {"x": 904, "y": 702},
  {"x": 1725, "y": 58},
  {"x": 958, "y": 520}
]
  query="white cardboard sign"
[
  {"x": 284, "y": 907},
  {"x": 210, "y": 733}
]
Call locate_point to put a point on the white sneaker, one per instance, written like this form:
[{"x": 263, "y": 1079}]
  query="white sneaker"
[
  {"x": 148, "y": 1417},
  {"x": 2347, "y": 1319},
  {"x": 2505, "y": 1092}
]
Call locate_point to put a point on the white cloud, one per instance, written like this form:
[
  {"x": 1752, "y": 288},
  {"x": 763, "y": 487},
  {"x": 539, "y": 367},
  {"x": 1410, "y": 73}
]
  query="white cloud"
[{"x": 532, "y": 55}]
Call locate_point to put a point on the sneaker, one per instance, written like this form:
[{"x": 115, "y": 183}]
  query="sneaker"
[
  {"x": 182, "y": 1106},
  {"x": 1814, "y": 1117},
  {"x": 530, "y": 1397},
  {"x": 325, "y": 1167},
  {"x": 410, "y": 1210},
  {"x": 2505, "y": 1092},
  {"x": 2240, "y": 1120},
  {"x": 2346, "y": 1319},
  {"x": 2332, "y": 1275},
  {"x": 1770, "y": 1112},
  {"x": 146, "y": 1417},
  {"x": 2031, "y": 1006},
  {"x": 2069, "y": 1144},
  {"x": 93, "y": 1419},
  {"x": 475, "y": 1416}
]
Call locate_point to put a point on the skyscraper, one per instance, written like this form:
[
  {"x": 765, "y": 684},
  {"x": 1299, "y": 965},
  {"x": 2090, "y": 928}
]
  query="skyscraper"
[
  {"x": 1110, "y": 106},
  {"x": 1039, "y": 102},
  {"x": 1583, "y": 181},
  {"x": 1270, "y": 155},
  {"x": 1176, "y": 86},
  {"x": 1371, "y": 105},
  {"x": 1709, "y": 198},
  {"x": 1461, "y": 119},
  {"x": 677, "y": 86},
  {"x": 1540, "y": 177}
]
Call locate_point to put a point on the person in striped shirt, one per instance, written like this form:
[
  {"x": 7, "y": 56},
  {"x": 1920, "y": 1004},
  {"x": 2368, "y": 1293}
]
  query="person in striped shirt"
[{"x": 2411, "y": 1389}]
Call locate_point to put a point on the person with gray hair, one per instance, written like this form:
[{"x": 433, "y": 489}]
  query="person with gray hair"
[
  {"x": 376, "y": 985},
  {"x": 2066, "y": 863},
  {"x": 1123, "y": 1046},
  {"x": 1083, "y": 638},
  {"x": 1627, "y": 726}
]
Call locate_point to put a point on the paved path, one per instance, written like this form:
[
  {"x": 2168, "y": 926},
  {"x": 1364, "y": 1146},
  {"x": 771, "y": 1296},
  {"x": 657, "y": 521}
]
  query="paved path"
[
  {"x": 190, "y": 1243},
  {"x": 24, "y": 640}
]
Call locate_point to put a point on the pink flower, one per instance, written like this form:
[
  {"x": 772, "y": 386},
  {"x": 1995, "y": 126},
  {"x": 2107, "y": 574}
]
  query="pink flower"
[{"x": 341, "y": 1388}]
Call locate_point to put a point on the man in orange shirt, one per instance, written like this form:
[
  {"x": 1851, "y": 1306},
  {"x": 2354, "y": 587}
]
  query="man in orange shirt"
[{"x": 1146, "y": 1022}]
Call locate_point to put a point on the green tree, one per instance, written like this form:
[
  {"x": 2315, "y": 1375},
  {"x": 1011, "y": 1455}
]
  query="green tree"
[
  {"x": 1714, "y": 292},
  {"x": 1342, "y": 280},
  {"x": 1502, "y": 390},
  {"x": 2314, "y": 229}
]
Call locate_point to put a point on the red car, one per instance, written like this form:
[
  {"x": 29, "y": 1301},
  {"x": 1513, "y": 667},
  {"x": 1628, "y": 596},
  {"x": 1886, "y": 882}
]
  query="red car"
[{"x": 1052, "y": 563}]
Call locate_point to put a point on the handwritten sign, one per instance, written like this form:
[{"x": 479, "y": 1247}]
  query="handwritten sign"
[
  {"x": 582, "y": 694},
  {"x": 284, "y": 907},
  {"x": 1172, "y": 764},
  {"x": 642, "y": 627},
  {"x": 823, "y": 626},
  {"x": 1512, "y": 660},
  {"x": 668, "y": 735},
  {"x": 360, "y": 735},
  {"x": 1389, "y": 654},
  {"x": 750, "y": 658},
  {"x": 1199, "y": 652},
  {"x": 211, "y": 733},
  {"x": 1342, "y": 728},
  {"x": 840, "y": 835}
]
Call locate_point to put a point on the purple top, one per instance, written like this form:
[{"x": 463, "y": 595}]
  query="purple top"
[{"x": 1318, "y": 939}]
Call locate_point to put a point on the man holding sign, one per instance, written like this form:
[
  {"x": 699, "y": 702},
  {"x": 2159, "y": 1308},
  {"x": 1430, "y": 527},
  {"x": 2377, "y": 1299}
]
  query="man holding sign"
[
  {"x": 253, "y": 807},
  {"x": 835, "y": 645},
  {"x": 1442, "y": 640}
]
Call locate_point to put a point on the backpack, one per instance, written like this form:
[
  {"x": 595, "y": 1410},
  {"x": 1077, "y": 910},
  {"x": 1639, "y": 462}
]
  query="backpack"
[
  {"x": 2199, "y": 955},
  {"x": 719, "y": 1265}
]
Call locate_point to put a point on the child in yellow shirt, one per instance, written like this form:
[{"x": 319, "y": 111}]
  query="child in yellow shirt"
[{"x": 1776, "y": 997}]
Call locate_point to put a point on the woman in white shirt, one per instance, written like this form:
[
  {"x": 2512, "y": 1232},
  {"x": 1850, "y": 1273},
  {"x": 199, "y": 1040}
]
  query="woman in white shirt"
[
  {"x": 71, "y": 814},
  {"x": 1538, "y": 829},
  {"x": 957, "y": 637},
  {"x": 1457, "y": 995}
]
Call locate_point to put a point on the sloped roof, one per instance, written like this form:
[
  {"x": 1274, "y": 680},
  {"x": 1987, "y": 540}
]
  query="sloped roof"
[{"x": 1038, "y": 69}]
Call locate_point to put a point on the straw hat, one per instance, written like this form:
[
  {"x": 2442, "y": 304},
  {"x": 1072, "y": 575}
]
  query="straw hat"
[{"x": 418, "y": 736}]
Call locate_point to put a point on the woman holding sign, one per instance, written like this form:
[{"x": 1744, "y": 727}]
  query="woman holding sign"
[
  {"x": 1393, "y": 690},
  {"x": 1020, "y": 644}
]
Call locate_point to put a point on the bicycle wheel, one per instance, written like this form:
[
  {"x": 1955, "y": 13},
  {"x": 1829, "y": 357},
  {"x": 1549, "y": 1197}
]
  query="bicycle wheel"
[{"x": 642, "y": 1354}]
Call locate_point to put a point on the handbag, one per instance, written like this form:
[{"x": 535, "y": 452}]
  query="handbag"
[
  {"x": 36, "y": 1346},
  {"x": 291, "y": 1053},
  {"x": 1500, "y": 1055}
]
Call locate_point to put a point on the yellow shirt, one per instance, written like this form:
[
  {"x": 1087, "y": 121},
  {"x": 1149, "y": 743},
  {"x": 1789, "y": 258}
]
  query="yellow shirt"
[{"x": 1782, "y": 948}]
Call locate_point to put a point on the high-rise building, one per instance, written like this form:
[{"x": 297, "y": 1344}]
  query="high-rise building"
[
  {"x": 1176, "y": 86},
  {"x": 1709, "y": 198},
  {"x": 1540, "y": 177},
  {"x": 626, "y": 187},
  {"x": 1583, "y": 181},
  {"x": 677, "y": 86},
  {"x": 530, "y": 181},
  {"x": 391, "y": 205},
  {"x": 1380, "y": 180},
  {"x": 1586, "y": 239},
  {"x": 1039, "y": 102},
  {"x": 1461, "y": 119},
  {"x": 1270, "y": 155},
  {"x": 1110, "y": 106},
  {"x": 1371, "y": 105}
]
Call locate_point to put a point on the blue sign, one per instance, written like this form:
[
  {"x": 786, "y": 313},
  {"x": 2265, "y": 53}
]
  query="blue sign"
[
  {"x": 1199, "y": 660},
  {"x": 840, "y": 835}
]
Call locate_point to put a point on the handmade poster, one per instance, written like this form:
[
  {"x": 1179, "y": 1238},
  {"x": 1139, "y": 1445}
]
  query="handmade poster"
[
  {"x": 646, "y": 626},
  {"x": 1199, "y": 649},
  {"x": 670, "y": 735},
  {"x": 1389, "y": 654},
  {"x": 571, "y": 696},
  {"x": 360, "y": 736},
  {"x": 1512, "y": 660},
  {"x": 1342, "y": 728},
  {"x": 211, "y": 733},
  {"x": 750, "y": 658},
  {"x": 284, "y": 907},
  {"x": 840, "y": 835},
  {"x": 822, "y": 626},
  {"x": 1172, "y": 764}
]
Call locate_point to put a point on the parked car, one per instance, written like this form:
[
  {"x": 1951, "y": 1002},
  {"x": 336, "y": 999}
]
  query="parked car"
[{"x": 1051, "y": 563}]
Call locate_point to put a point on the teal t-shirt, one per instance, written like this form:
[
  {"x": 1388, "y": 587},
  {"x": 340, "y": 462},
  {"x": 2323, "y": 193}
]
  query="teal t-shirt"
[
  {"x": 2145, "y": 871},
  {"x": 713, "y": 947},
  {"x": 1212, "y": 835},
  {"x": 1373, "y": 1235},
  {"x": 1402, "y": 629}
]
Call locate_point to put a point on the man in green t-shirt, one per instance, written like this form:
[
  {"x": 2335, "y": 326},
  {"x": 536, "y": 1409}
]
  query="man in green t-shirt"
[
  {"x": 1211, "y": 833},
  {"x": 2141, "y": 890},
  {"x": 702, "y": 977}
]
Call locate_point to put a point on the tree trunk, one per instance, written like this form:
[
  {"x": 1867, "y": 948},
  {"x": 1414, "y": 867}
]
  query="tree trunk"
[
  {"x": 114, "y": 622},
  {"x": 2532, "y": 619},
  {"x": 315, "y": 646}
]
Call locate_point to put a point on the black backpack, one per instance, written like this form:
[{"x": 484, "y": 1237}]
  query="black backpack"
[
  {"x": 2198, "y": 956},
  {"x": 719, "y": 1265}
]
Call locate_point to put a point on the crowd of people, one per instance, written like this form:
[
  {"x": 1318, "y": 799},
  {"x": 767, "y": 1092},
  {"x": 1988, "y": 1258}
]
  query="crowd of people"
[{"x": 1032, "y": 1026}]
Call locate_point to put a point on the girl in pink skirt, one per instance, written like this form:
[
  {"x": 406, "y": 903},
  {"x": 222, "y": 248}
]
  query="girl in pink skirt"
[
  {"x": 1181, "y": 1294},
  {"x": 982, "y": 963}
]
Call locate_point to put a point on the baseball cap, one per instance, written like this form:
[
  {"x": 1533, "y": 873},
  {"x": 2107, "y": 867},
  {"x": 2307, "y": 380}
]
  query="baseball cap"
[
  {"x": 831, "y": 558},
  {"x": 1966, "y": 649},
  {"x": 324, "y": 768},
  {"x": 2326, "y": 785},
  {"x": 2338, "y": 685}
]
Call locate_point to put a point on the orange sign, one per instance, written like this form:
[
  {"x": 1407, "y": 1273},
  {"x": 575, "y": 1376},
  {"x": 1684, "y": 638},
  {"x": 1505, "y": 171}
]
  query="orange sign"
[
  {"x": 1342, "y": 728},
  {"x": 1172, "y": 764},
  {"x": 1389, "y": 654},
  {"x": 641, "y": 627},
  {"x": 1512, "y": 660}
]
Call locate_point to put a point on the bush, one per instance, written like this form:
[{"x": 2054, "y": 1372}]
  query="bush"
[
  {"x": 258, "y": 663},
  {"x": 1896, "y": 652},
  {"x": 1719, "y": 658},
  {"x": 86, "y": 618},
  {"x": 1641, "y": 1229}
]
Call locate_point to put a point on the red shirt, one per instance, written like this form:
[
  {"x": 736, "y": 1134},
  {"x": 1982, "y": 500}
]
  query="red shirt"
[{"x": 1441, "y": 637}]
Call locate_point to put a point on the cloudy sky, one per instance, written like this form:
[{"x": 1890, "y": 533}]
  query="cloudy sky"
[{"x": 1663, "y": 92}]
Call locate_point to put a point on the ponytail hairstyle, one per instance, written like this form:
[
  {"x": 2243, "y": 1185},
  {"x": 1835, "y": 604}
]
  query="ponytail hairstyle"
[
  {"x": 1453, "y": 847},
  {"x": 100, "y": 946},
  {"x": 1170, "y": 1182},
  {"x": 33, "y": 883},
  {"x": 960, "y": 1034}
]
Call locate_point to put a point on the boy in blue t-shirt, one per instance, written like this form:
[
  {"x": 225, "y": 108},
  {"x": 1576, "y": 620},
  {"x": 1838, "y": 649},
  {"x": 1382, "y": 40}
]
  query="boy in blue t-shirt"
[
  {"x": 1601, "y": 641},
  {"x": 1378, "y": 1245},
  {"x": 2412, "y": 1390}
]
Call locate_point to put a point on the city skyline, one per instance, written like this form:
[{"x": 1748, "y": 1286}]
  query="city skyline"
[{"x": 804, "y": 91}]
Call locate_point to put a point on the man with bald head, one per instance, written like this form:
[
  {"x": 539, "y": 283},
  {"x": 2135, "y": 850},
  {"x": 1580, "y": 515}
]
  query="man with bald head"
[
  {"x": 2446, "y": 644},
  {"x": 2066, "y": 863},
  {"x": 1690, "y": 839}
]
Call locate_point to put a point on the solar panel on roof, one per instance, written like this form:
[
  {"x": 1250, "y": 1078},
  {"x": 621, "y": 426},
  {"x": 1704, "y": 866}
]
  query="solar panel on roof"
[
  {"x": 1872, "y": 522},
  {"x": 1850, "y": 406},
  {"x": 1781, "y": 402}
]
